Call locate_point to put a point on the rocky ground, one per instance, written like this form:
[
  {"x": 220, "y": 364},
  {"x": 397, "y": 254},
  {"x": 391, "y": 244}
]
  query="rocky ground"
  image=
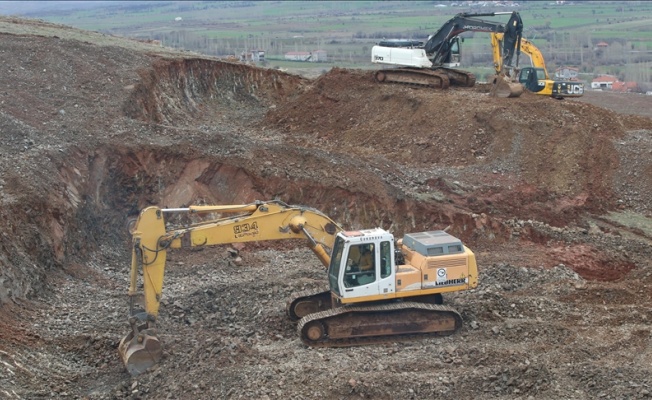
[{"x": 553, "y": 196}]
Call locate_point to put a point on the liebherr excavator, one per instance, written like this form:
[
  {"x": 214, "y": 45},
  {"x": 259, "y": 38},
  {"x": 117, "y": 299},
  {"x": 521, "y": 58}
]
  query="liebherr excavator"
[
  {"x": 535, "y": 78},
  {"x": 433, "y": 63},
  {"x": 395, "y": 295}
]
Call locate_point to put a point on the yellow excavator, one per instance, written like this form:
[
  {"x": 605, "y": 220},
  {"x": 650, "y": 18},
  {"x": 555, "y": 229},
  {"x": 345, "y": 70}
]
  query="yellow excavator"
[
  {"x": 534, "y": 78},
  {"x": 396, "y": 295}
]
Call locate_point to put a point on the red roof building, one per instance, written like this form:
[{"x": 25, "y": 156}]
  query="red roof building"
[
  {"x": 603, "y": 82},
  {"x": 624, "y": 87}
]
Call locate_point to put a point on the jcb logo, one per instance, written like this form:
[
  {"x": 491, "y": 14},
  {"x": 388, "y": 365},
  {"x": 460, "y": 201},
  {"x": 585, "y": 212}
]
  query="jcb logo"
[
  {"x": 246, "y": 229},
  {"x": 575, "y": 89},
  {"x": 378, "y": 58}
]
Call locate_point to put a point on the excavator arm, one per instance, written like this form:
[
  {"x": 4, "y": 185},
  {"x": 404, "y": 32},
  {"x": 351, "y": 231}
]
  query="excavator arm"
[
  {"x": 437, "y": 47},
  {"x": 259, "y": 221},
  {"x": 526, "y": 47},
  {"x": 536, "y": 57}
]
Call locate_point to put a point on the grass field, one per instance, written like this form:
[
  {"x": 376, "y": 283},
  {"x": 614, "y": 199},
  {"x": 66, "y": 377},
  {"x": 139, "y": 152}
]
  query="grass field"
[{"x": 567, "y": 34}]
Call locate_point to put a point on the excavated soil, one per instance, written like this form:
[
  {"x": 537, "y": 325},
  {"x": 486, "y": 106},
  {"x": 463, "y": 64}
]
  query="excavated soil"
[{"x": 553, "y": 196}]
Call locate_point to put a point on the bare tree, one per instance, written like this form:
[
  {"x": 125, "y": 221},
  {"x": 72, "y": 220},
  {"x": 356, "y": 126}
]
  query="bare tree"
[{"x": 614, "y": 53}]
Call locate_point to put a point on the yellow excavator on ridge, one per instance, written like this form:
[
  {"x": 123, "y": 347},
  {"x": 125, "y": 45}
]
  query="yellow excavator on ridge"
[{"x": 534, "y": 78}]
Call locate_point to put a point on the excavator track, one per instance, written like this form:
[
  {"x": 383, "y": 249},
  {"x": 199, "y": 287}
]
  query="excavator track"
[
  {"x": 458, "y": 77},
  {"x": 364, "y": 325},
  {"x": 307, "y": 302},
  {"x": 410, "y": 76}
]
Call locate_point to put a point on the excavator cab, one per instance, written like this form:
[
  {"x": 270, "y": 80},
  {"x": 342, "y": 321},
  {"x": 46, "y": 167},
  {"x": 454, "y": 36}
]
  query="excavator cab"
[
  {"x": 420, "y": 264},
  {"x": 537, "y": 81},
  {"x": 453, "y": 56},
  {"x": 534, "y": 79},
  {"x": 361, "y": 265}
]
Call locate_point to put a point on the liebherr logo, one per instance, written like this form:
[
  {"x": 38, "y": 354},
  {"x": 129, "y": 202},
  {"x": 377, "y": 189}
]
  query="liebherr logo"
[{"x": 451, "y": 282}]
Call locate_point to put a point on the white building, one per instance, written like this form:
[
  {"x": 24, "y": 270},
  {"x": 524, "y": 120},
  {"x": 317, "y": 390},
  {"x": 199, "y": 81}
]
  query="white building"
[
  {"x": 603, "y": 82},
  {"x": 297, "y": 55},
  {"x": 253, "y": 56},
  {"x": 308, "y": 56},
  {"x": 567, "y": 73}
]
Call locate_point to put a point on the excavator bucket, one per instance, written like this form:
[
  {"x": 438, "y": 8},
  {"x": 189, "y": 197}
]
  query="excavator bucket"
[
  {"x": 140, "y": 349},
  {"x": 503, "y": 87}
]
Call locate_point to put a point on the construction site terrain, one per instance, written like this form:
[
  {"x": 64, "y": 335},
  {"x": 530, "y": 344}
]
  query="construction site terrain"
[{"x": 553, "y": 196}]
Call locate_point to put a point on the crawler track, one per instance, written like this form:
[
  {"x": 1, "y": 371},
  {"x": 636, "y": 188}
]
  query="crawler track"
[
  {"x": 440, "y": 78},
  {"x": 307, "y": 302},
  {"x": 360, "y": 325},
  {"x": 457, "y": 77},
  {"x": 416, "y": 77}
]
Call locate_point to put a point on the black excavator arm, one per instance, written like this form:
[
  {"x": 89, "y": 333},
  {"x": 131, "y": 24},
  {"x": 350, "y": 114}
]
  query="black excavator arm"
[{"x": 438, "y": 45}]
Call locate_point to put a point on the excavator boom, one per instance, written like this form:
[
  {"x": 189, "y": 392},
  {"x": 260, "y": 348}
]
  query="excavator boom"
[
  {"x": 437, "y": 46},
  {"x": 273, "y": 220}
]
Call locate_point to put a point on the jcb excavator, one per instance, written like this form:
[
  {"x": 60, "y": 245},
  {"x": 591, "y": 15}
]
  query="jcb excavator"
[
  {"x": 395, "y": 295},
  {"x": 433, "y": 64},
  {"x": 534, "y": 78}
]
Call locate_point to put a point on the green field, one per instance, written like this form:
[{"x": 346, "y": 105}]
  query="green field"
[{"x": 567, "y": 34}]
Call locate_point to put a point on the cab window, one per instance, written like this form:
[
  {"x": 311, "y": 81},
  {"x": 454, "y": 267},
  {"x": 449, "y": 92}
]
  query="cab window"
[
  {"x": 385, "y": 259},
  {"x": 360, "y": 265}
]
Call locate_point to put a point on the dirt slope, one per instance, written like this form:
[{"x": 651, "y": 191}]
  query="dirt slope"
[{"x": 554, "y": 197}]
